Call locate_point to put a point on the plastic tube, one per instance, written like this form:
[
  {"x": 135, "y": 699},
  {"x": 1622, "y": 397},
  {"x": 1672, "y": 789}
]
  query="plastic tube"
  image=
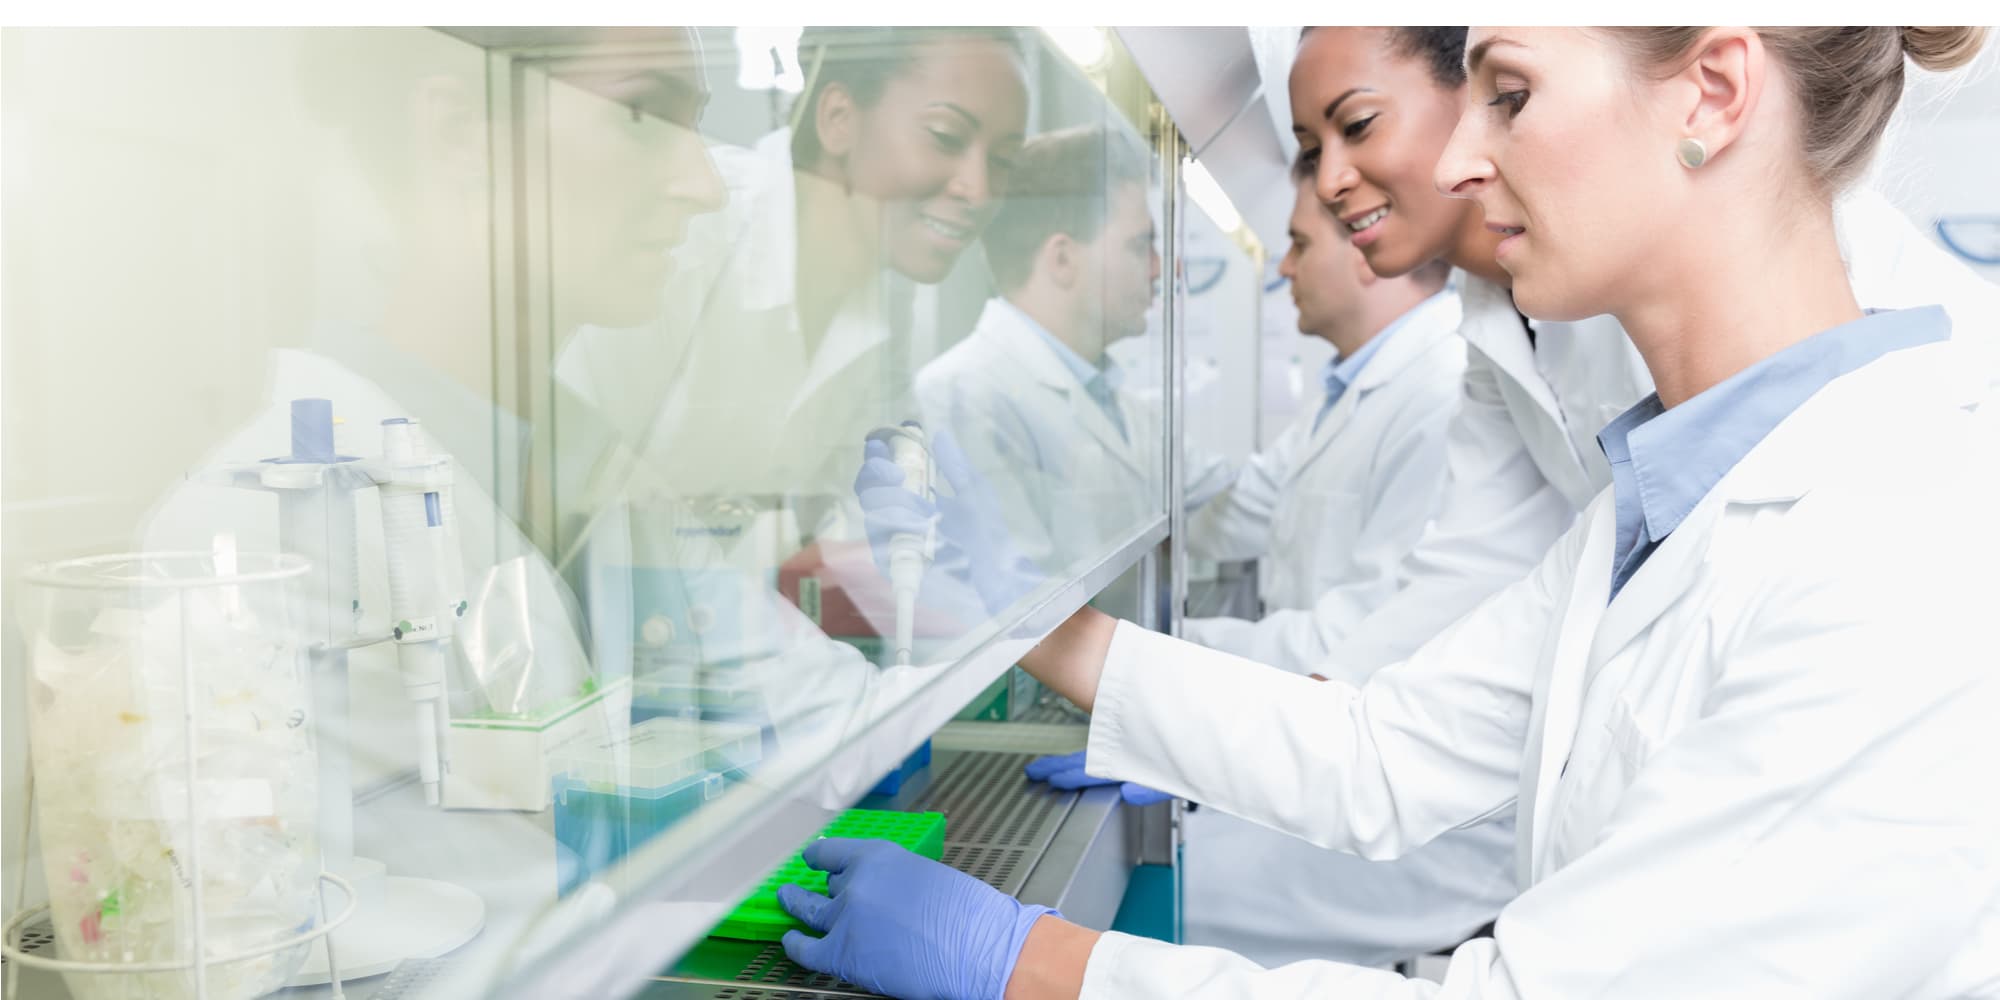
[{"x": 909, "y": 554}]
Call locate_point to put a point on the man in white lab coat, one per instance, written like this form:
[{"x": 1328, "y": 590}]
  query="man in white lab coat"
[
  {"x": 1031, "y": 395},
  {"x": 1333, "y": 506},
  {"x": 1330, "y": 510}
]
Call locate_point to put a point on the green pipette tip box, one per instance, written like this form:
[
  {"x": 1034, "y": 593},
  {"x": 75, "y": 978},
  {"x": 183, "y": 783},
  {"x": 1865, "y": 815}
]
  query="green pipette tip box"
[{"x": 760, "y": 918}]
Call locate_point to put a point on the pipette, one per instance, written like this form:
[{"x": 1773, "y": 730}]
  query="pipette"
[
  {"x": 424, "y": 598},
  {"x": 910, "y": 554}
]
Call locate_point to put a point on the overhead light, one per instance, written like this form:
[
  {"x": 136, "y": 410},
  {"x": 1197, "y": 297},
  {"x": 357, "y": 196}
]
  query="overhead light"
[
  {"x": 1084, "y": 46},
  {"x": 768, "y": 59},
  {"x": 1209, "y": 195}
]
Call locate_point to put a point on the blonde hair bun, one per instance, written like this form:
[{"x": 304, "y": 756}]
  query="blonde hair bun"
[{"x": 1943, "y": 49}]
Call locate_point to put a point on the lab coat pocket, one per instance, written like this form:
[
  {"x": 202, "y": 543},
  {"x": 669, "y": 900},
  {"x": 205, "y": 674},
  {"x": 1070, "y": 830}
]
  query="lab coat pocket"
[{"x": 1628, "y": 739}]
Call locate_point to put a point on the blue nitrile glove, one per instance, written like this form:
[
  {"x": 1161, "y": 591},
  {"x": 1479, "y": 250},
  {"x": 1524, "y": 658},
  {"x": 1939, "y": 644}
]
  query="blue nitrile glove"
[
  {"x": 902, "y": 925},
  {"x": 972, "y": 533},
  {"x": 1066, "y": 772}
]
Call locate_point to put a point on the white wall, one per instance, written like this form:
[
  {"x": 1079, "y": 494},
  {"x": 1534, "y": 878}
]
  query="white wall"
[
  {"x": 1221, "y": 344},
  {"x": 177, "y": 204},
  {"x": 1941, "y": 155}
]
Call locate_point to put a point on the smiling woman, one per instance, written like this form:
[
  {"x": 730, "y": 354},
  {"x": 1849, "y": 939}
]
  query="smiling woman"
[
  {"x": 925, "y": 122},
  {"x": 1372, "y": 108},
  {"x": 1718, "y": 787}
]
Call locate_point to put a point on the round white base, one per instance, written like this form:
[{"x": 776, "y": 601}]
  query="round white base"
[{"x": 409, "y": 918}]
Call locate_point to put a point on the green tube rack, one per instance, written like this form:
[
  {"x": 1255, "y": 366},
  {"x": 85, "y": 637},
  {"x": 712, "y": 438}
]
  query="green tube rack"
[{"x": 760, "y": 918}]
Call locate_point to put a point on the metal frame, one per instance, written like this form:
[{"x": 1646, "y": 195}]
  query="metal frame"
[
  {"x": 716, "y": 856},
  {"x": 696, "y": 863}
]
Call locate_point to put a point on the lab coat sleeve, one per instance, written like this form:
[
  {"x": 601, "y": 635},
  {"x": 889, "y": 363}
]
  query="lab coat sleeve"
[
  {"x": 1237, "y": 523},
  {"x": 1126, "y": 968},
  {"x": 1497, "y": 517},
  {"x": 1208, "y": 475},
  {"x": 1823, "y": 828},
  {"x": 1426, "y": 746},
  {"x": 1402, "y": 493}
]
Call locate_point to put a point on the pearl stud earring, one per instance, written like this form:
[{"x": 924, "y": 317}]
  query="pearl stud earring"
[{"x": 1691, "y": 152}]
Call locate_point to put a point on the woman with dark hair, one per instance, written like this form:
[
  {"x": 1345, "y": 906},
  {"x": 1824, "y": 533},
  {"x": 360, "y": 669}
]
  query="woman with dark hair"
[
  {"x": 796, "y": 298},
  {"x": 1741, "y": 710}
]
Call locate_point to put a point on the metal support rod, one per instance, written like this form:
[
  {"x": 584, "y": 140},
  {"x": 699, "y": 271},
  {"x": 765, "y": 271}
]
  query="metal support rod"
[
  {"x": 190, "y": 741},
  {"x": 332, "y": 956},
  {"x": 1175, "y": 225},
  {"x": 1176, "y": 337}
]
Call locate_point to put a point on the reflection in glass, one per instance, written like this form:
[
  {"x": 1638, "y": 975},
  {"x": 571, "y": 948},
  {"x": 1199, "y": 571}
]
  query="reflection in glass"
[
  {"x": 725, "y": 571},
  {"x": 552, "y": 353}
]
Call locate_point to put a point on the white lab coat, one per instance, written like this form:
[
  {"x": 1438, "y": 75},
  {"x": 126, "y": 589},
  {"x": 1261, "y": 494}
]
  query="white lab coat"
[
  {"x": 1523, "y": 453},
  {"x": 1523, "y": 458},
  {"x": 1332, "y": 507},
  {"x": 1763, "y": 770},
  {"x": 1333, "y": 510},
  {"x": 1071, "y": 487}
]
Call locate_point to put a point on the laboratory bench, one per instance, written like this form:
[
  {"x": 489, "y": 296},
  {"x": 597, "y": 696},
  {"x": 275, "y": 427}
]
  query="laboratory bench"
[
  {"x": 1075, "y": 851},
  {"x": 709, "y": 524}
]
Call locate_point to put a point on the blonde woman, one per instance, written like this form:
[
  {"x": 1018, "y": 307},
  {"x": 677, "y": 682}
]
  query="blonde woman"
[{"x": 1742, "y": 711}]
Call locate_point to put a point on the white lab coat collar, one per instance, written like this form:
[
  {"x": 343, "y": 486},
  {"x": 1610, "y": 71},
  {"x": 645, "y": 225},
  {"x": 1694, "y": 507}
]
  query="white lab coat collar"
[
  {"x": 1492, "y": 325},
  {"x": 1431, "y": 321},
  {"x": 1005, "y": 328},
  {"x": 1427, "y": 322},
  {"x": 766, "y": 183},
  {"x": 1892, "y": 398}
]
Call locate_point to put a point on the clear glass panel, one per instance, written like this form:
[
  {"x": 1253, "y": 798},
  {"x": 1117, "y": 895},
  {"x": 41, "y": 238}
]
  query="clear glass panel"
[
  {"x": 552, "y": 354},
  {"x": 1220, "y": 394}
]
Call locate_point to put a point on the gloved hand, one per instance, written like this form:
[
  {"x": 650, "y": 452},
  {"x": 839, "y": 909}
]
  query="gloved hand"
[
  {"x": 972, "y": 533},
  {"x": 1066, "y": 772},
  {"x": 905, "y": 926}
]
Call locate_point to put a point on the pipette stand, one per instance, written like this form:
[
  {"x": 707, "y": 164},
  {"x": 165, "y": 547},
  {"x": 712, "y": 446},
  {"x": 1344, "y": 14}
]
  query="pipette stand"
[{"x": 398, "y": 917}]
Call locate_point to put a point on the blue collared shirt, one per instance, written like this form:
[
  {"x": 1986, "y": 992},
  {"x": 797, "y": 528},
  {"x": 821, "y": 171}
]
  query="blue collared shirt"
[
  {"x": 1100, "y": 382},
  {"x": 1664, "y": 461},
  {"x": 1340, "y": 372}
]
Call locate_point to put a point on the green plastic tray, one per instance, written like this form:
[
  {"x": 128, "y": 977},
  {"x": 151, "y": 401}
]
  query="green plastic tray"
[{"x": 760, "y": 918}]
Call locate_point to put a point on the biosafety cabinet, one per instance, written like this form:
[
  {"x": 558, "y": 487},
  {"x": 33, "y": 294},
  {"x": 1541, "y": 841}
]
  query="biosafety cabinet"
[{"x": 432, "y": 548}]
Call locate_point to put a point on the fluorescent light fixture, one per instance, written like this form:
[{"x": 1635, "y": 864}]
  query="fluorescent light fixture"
[
  {"x": 768, "y": 59},
  {"x": 1084, "y": 46},
  {"x": 1209, "y": 195}
]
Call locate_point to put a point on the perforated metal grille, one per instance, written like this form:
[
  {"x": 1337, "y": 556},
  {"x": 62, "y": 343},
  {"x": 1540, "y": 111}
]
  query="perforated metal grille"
[
  {"x": 990, "y": 803},
  {"x": 772, "y": 968},
  {"x": 754, "y": 993},
  {"x": 999, "y": 823},
  {"x": 992, "y": 866},
  {"x": 36, "y": 938},
  {"x": 1054, "y": 712}
]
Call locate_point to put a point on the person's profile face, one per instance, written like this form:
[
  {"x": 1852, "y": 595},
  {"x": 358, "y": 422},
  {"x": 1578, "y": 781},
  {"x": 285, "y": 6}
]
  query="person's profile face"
[
  {"x": 1567, "y": 150},
  {"x": 1371, "y": 123},
  {"x": 1320, "y": 263},
  {"x": 934, "y": 152},
  {"x": 628, "y": 169},
  {"x": 1123, "y": 264}
]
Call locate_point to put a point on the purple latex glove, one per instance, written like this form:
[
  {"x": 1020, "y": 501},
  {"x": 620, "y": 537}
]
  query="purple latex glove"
[
  {"x": 972, "y": 533},
  {"x": 1066, "y": 771},
  {"x": 902, "y": 925}
]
